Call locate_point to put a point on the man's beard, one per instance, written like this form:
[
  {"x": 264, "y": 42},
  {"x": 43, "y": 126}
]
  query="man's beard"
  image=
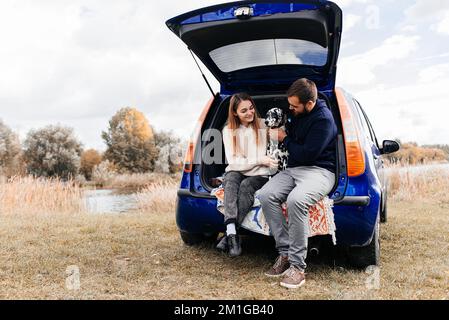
[{"x": 299, "y": 115}]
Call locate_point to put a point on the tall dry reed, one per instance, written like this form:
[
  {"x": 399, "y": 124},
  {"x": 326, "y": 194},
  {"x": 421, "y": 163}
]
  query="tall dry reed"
[
  {"x": 411, "y": 183},
  {"x": 29, "y": 195},
  {"x": 158, "y": 197}
]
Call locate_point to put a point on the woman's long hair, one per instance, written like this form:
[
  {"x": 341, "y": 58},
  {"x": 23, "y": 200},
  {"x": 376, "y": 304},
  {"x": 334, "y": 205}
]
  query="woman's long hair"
[{"x": 233, "y": 122}]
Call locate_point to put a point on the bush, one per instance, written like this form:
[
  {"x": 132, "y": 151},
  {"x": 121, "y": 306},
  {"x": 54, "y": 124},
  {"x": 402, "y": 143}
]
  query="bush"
[
  {"x": 10, "y": 151},
  {"x": 411, "y": 154},
  {"x": 103, "y": 173},
  {"x": 52, "y": 151}
]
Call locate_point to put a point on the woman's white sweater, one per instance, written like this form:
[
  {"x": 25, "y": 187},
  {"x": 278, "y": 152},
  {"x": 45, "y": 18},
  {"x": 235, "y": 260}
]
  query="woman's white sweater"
[{"x": 249, "y": 160}]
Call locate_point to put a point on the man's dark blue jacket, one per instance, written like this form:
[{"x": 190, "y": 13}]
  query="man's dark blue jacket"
[{"x": 312, "y": 138}]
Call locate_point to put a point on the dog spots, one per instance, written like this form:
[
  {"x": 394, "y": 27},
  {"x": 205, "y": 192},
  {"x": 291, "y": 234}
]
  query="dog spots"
[{"x": 276, "y": 118}]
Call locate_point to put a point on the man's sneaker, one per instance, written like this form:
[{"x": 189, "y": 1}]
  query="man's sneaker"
[
  {"x": 234, "y": 246},
  {"x": 279, "y": 268},
  {"x": 222, "y": 244},
  {"x": 293, "y": 278}
]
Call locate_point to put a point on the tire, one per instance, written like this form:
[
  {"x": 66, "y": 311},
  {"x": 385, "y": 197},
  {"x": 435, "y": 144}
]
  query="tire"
[
  {"x": 362, "y": 257},
  {"x": 191, "y": 239},
  {"x": 383, "y": 214},
  {"x": 210, "y": 237}
]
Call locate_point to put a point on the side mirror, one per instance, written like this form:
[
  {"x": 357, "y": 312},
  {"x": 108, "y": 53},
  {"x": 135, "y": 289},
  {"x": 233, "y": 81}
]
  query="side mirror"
[{"x": 389, "y": 146}]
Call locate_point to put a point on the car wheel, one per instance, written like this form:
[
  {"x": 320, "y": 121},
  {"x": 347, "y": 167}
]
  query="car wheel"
[
  {"x": 191, "y": 239},
  {"x": 211, "y": 237},
  {"x": 383, "y": 214},
  {"x": 362, "y": 257}
]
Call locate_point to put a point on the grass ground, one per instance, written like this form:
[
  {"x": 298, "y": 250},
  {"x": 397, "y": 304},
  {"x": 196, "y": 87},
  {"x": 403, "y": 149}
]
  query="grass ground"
[
  {"x": 140, "y": 256},
  {"x": 46, "y": 238}
]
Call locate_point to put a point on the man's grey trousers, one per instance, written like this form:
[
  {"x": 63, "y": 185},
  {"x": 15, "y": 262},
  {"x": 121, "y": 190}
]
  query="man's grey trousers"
[{"x": 301, "y": 188}]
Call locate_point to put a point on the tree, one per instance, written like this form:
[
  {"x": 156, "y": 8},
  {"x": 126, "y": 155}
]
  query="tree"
[
  {"x": 52, "y": 151},
  {"x": 10, "y": 151},
  {"x": 130, "y": 141},
  {"x": 170, "y": 152},
  {"x": 89, "y": 159},
  {"x": 443, "y": 147}
]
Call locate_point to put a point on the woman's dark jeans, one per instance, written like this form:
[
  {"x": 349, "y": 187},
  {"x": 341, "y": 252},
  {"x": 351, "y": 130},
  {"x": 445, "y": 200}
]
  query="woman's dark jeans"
[{"x": 239, "y": 193}]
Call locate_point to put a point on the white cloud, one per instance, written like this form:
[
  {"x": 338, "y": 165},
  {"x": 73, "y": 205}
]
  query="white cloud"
[
  {"x": 359, "y": 69},
  {"x": 442, "y": 26},
  {"x": 347, "y": 3},
  {"x": 70, "y": 62},
  {"x": 434, "y": 13},
  {"x": 434, "y": 73},
  {"x": 77, "y": 62},
  {"x": 426, "y": 9},
  {"x": 414, "y": 112},
  {"x": 350, "y": 21},
  {"x": 409, "y": 28},
  {"x": 434, "y": 57}
]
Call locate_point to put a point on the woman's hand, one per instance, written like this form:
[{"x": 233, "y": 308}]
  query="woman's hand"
[
  {"x": 277, "y": 134},
  {"x": 269, "y": 162}
]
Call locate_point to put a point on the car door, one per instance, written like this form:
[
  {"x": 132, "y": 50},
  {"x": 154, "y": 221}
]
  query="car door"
[{"x": 374, "y": 146}]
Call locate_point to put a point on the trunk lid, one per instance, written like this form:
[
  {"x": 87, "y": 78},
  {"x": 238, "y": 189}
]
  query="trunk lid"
[{"x": 262, "y": 45}]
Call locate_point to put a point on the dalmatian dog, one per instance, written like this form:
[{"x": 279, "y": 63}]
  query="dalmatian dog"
[{"x": 276, "y": 118}]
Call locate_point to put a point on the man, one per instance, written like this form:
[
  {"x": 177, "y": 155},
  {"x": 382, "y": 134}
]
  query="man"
[{"x": 310, "y": 176}]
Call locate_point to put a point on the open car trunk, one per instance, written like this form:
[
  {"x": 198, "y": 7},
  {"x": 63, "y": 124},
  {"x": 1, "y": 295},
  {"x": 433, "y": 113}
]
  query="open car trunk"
[
  {"x": 264, "y": 45},
  {"x": 263, "y": 103}
]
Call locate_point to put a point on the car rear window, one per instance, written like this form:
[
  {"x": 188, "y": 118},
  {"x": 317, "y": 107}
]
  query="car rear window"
[{"x": 267, "y": 52}]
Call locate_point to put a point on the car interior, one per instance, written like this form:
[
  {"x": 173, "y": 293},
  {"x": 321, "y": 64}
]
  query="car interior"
[{"x": 209, "y": 172}]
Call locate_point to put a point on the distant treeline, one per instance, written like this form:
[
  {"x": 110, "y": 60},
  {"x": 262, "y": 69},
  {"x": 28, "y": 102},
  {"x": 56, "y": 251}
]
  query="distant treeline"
[
  {"x": 444, "y": 147},
  {"x": 412, "y": 154},
  {"x": 132, "y": 146},
  {"x": 54, "y": 151}
]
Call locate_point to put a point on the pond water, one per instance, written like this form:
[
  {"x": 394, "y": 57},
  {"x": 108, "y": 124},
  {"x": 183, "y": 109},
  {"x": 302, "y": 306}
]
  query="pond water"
[
  {"x": 109, "y": 201},
  {"x": 112, "y": 201}
]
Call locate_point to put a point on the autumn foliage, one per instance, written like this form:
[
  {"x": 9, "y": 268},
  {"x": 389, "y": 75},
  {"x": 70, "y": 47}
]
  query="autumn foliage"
[
  {"x": 130, "y": 142},
  {"x": 89, "y": 159},
  {"x": 132, "y": 148},
  {"x": 411, "y": 154}
]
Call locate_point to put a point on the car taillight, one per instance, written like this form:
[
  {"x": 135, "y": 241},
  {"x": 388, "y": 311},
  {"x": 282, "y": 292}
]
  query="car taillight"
[
  {"x": 355, "y": 156},
  {"x": 190, "y": 153},
  {"x": 188, "y": 160}
]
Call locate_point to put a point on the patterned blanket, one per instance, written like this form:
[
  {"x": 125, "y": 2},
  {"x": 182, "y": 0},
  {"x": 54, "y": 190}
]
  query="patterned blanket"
[{"x": 321, "y": 216}]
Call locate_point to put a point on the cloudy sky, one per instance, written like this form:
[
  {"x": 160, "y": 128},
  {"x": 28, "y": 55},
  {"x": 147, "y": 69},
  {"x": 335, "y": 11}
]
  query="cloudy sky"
[{"x": 76, "y": 62}]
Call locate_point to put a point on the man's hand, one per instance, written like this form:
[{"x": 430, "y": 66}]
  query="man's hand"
[{"x": 277, "y": 134}]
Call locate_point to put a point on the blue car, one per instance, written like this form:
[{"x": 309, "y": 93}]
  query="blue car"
[{"x": 262, "y": 47}]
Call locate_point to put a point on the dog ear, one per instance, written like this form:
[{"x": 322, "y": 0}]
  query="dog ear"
[
  {"x": 284, "y": 117},
  {"x": 278, "y": 112}
]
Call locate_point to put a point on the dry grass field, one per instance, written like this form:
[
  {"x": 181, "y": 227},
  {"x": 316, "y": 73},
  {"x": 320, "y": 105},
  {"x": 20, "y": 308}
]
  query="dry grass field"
[{"x": 139, "y": 255}]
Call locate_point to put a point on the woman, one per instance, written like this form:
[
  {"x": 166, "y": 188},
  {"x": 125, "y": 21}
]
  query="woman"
[{"x": 245, "y": 141}]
